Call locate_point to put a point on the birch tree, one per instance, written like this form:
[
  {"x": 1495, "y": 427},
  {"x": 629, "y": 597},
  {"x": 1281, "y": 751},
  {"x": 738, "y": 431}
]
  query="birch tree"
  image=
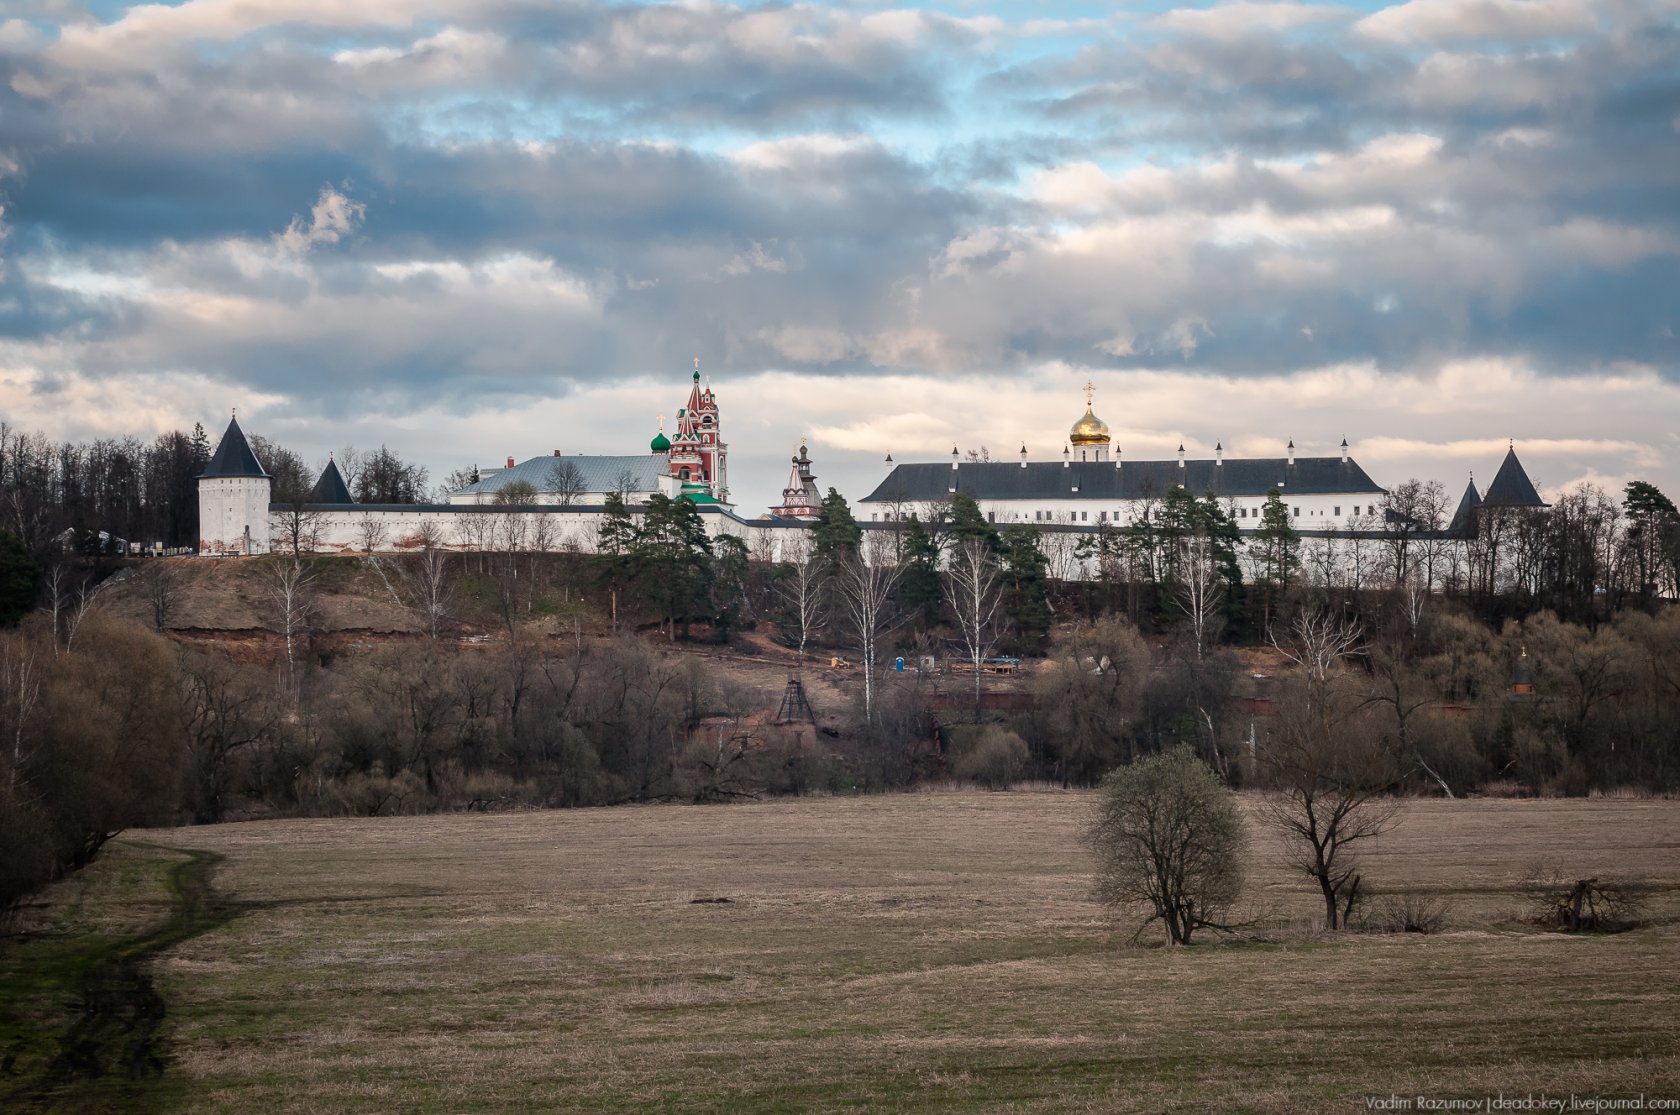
[
  {"x": 293, "y": 596},
  {"x": 971, "y": 578},
  {"x": 865, "y": 581},
  {"x": 804, "y": 592}
]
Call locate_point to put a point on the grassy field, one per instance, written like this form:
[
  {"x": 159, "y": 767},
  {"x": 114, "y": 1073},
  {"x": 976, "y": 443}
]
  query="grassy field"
[{"x": 930, "y": 952}]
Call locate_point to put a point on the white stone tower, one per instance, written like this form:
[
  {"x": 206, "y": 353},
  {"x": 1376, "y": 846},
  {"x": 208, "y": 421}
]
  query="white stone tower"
[{"x": 233, "y": 497}]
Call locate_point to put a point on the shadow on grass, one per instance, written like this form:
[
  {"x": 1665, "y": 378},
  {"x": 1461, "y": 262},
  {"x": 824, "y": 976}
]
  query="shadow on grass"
[{"x": 112, "y": 1055}]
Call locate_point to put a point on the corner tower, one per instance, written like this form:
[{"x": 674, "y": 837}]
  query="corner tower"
[{"x": 233, "y": 497}]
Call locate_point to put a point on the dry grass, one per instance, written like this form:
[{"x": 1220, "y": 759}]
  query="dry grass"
[{"x": 929, "y": 952}]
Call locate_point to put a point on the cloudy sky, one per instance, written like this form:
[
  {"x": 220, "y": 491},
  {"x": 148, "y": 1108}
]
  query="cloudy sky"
[{"x": 475, "y": 228}]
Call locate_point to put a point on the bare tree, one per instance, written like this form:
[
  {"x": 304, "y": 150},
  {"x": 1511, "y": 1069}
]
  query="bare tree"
[
  {"x": 566, "y": 481},
  {"x": 971, "y": 579},
  {"x": 428, "y": 536},
  {"x": 804, "y": 591},
  {"x": 223, "y": 713},
  {"x": 350, "y": 465},
  {"x": 434, "y": 589},
  {"x": 1197, "y": 592},
  {"x": 297, "y": 528},
  {"x": 1318, "y": 641},
  {"x": 1330, "y": 765},
  {"x": 20, "y": 694},
  {"x": 545, "y": 535},
  {"x": 293, "y": 597},
  {"x": 515, "y": 527},
  {"x": 370, "y": 532},
  {"x": 1413, "y": 514},
  {"x": 865, "y": 581},
  {"x": 1395, "y": 685},
  {"x": 423, "y": 584},
  {"x": 59, "y": 595},
  {"x": 87, "y": 595},
  {"x": 161, "y": 584}
]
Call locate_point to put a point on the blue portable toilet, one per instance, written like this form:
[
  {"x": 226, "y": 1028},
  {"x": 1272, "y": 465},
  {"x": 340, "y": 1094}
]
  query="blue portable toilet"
[{"x": 898, "y": 663}]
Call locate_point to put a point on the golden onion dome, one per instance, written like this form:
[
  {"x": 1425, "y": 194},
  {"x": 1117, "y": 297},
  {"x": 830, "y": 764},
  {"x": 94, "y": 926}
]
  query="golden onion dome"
[{"x": 1089, "y": 430}]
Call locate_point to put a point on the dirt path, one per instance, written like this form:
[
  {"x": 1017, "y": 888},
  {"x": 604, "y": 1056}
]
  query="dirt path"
[{"x": 113, "y": 1056}]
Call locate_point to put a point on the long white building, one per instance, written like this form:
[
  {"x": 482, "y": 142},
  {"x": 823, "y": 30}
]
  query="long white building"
[{"x": 1091, "y": 485}]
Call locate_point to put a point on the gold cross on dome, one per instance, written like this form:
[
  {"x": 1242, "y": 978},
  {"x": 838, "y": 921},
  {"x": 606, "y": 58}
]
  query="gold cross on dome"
[{"x": 1090, "y": 394}]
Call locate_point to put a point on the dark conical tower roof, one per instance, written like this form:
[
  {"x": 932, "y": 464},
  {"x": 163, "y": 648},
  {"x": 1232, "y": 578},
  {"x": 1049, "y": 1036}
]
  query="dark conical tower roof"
[
  {"x": 331, "y": 488},
  {"x": 233, "y": 456},
  {"x": 1511, "y": 486},
  {"x": 1464, "y": 519}
]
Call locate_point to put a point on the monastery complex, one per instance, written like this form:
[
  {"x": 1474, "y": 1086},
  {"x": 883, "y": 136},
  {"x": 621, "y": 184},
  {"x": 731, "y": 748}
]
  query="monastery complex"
[{"x": 1088, "y": 486}]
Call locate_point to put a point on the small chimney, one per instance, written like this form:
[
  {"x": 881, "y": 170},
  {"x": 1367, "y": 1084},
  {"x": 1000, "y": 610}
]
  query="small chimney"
[
  {"x": 1181, "y": 454},
  {"x": 1344, "y": 451},
  {"x": 1291, "y": 451},
  {"x": 1023, "y": 456},
  {"x": 954, "y": 458},
  {"x": 557, "y": 452},
  {"x": 1067, "y": 456},
  {"x": 510, "y": 462},
  {"x": 1116, "y": 458},
  {"x": 1218, "y": 454}
]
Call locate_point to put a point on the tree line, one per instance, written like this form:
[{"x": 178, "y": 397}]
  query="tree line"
[
  {"x": 80, "y": 497},
  {"x": 1442, "y": 692}
]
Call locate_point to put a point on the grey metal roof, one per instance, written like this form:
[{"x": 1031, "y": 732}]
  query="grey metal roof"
[
  {"x": 1511, "y": 486},
  {"x": 233, "y": 456},
  {"x": 331, "y": 488},
  {"x": 1100, "y": 480},
  {"x": 600, "y": 474},
  {"x": 1463, "y": 523}
]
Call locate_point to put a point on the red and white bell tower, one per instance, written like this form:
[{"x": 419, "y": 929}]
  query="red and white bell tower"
[{"x": 699, "y": 459}]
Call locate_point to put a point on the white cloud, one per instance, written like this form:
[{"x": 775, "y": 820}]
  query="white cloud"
[
  {"x": 333, "y": 216},
  {"x": 1432, "y": 20},
  {"x": 801, "y": 152},
  {"x": 1234, "y": 20},
  {"x": 147, "y": 33}
]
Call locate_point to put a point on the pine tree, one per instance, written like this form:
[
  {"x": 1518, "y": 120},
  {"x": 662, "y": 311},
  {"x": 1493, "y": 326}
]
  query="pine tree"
[
  {"x": 19, "y": 578},
  {"x": 1652, "y": 521},
  {"x": 200, "y": 448},
  {"x": 1026, "y": 574},
  {"x": 1280, "y": 552},
  {"x": 966, "y": 521},
  {"x": 835, "y": 533},
  {"x": 920, "y": 589}
]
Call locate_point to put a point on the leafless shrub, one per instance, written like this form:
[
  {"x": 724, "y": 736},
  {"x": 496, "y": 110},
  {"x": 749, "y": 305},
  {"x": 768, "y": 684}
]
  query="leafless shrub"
[
  {"x": 1557, "y": 899},
  {"x": 1409, "y": 913}
]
